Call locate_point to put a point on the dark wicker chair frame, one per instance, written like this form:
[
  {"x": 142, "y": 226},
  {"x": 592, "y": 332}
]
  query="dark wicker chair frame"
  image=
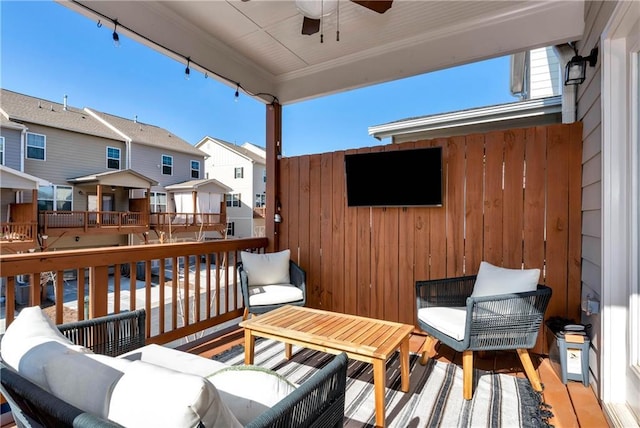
[
  {"x": 502, "y": 322},
  {"x": 298, "y": 278},
  {"x": 319, "y": 402}
]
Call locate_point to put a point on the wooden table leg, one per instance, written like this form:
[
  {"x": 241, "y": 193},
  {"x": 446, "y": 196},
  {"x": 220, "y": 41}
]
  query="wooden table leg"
[
  {"x": 379, "y": 385},
  {"x": 404, "y": 364},
  {"x": 287, "y": 351},
  {"x": 249, "y": 342}
]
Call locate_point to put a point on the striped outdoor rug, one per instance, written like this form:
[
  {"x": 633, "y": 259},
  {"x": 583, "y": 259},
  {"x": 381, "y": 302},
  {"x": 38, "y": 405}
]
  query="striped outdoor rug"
[{"x": 434, "y": 398}]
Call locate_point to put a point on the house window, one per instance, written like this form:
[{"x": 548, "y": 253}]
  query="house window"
[
  {"x": 113, "y": 158},
  {"x": 55, "y": 198},
  {"x": 231, "y": 228},
  {"x": 232, "y": 199},
  {"x": 36, "y": 146},
  {"x": 167, "y": 165},
  {"x": 264, "y": 175},
  {"x": 195, "y": 169},
  {"x": 238, "y": 172},
  {"x": 261, "y": 200},
  {"x": 1, "y": 150},
  {"x": 158, "y": 202}
]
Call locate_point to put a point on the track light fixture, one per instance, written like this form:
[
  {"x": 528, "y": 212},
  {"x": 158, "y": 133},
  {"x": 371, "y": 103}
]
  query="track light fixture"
[
  {"x": 187, "y": 71},
  {"x": 116, "y": 38},
  {"x": 575, "y": 71}
]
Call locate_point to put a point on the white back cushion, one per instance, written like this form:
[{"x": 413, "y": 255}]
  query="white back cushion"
[
  {"x": 266, "y": 269},
  {"x": 493, "y": 280}
]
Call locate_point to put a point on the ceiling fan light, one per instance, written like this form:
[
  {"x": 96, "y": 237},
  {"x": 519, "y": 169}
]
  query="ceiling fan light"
[{"x": 316, "y": 9}]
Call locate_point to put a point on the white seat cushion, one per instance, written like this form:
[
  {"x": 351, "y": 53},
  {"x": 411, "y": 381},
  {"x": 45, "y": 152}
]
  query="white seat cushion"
[
  {"x": 274, "y": 294},
  {"x": 174, "y": 359},
  {"x": 153, "y": 396},
  {"x": 266, "y": 269},
  {"x": 249, "y": 391},
  {"x": 450, "y": 321},
  {"x": 493, "y": 280}
]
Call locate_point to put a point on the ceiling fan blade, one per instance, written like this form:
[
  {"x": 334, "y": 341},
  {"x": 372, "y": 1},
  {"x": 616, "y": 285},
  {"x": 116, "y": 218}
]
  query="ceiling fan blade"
[
  {"x": 380, "y": 6},
  {"x": 310, "y": 26}
]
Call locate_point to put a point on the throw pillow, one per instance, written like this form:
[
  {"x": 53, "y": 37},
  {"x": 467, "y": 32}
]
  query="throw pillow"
[
  {"x": 493, "y": 280},
  {"x": 31, "y": 341},
  {"x": 250, "y": 390},
  {"x": 266, "y": 269},
  {"x": 85, "y": 380},
  {"x": 152, "y": 396}
]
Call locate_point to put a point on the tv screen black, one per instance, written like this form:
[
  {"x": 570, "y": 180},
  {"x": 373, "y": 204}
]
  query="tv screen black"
[{"x": 395, "y": 178}]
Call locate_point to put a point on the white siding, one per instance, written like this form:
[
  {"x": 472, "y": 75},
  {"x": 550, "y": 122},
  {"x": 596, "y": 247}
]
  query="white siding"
[
  {"x": 589, "y": 112},
  {"x": 221, "y": 165},
  {"x": 12, "y": 144},
  {"x": 544, "y": 73}
]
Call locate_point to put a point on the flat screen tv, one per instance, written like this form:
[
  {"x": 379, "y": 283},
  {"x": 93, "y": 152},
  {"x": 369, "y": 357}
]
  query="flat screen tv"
[{"x": 401, "y": 178}]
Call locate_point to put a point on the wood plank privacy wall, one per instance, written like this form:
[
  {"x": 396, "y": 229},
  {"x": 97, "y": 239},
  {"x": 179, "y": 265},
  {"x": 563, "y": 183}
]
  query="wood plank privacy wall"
[{"x": 512, "y": 198}]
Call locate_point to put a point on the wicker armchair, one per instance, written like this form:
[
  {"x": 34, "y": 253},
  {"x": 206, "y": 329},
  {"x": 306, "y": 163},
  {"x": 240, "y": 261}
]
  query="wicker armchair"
[
  {"x": 297, "y": 277},
  {"x": 501, "y": 322}
]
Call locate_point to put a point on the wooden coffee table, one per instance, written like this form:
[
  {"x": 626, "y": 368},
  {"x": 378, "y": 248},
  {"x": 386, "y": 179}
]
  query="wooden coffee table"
[{"x": 364, "y": 339}]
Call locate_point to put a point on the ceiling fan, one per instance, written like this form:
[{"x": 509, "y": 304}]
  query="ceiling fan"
[{"x": 314, "y": 10}]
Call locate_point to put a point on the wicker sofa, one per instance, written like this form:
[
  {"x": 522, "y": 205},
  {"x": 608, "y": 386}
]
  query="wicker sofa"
[{"x": 318, "y": 402}]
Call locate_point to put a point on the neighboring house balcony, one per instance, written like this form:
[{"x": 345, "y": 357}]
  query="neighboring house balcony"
[
  {"x": 59, "y": 223},
  {"x": 176, "y": 222},
  {"x": 18, "y": 230},
  {"x": 18, "y": 236},
  {"x": 198, "y": 206}
]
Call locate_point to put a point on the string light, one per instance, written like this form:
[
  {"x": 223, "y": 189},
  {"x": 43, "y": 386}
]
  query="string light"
[
  {"x": 187, "y": 70},
  {"x": 116, "y": 38}
]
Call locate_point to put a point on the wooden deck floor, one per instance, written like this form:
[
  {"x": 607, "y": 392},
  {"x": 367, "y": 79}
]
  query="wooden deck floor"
[{"x": 573, "y": 405}]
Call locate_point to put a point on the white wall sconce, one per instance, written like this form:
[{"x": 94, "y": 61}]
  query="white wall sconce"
[{"x": 575, "y": 71}]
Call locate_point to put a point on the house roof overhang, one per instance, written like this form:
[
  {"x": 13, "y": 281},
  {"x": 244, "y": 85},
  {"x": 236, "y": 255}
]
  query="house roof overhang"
[
  {"x": 258, "y": 43},
  {"x": 13, "y": 179},
  {"x": 125, "y": 178},
  {"x": 210, "y": 185},
  {"x": 530, "y": 111}
]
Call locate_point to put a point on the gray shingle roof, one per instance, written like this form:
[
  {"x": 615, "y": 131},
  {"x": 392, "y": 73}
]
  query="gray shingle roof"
[
  {"x": 25, "y": 109},
  {"x": 150, "y": 135}
]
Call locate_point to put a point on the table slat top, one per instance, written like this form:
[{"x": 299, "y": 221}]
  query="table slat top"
[{"x": 351, "y": 333}]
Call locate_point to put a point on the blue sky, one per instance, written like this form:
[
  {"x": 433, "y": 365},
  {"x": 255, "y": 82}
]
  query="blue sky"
[{"x": 49, "y": 51}]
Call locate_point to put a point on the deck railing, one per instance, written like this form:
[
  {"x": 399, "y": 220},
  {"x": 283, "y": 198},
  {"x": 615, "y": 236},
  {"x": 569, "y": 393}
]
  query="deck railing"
[
  {"x": 18, "y": 231},
  {"x": 186, "y": 219},
  {"x": 50, "y": 220},
  {"x": 185, "y": 288}
]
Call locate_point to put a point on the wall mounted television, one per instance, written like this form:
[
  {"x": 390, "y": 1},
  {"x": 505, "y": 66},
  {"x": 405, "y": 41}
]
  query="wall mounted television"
[{"x": 401, "y": 178}]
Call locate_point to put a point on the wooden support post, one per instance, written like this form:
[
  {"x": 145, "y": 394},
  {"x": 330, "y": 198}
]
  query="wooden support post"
[
  {"x": 274, "y": 152},
  {"x": 98, "y": 290}
]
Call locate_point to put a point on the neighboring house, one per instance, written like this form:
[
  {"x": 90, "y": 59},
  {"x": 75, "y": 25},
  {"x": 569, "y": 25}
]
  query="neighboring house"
[
  {"x": 107, "y": 174},
  {"x": 536, "y": 78},
  {"x": 242, "y": 169}
]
